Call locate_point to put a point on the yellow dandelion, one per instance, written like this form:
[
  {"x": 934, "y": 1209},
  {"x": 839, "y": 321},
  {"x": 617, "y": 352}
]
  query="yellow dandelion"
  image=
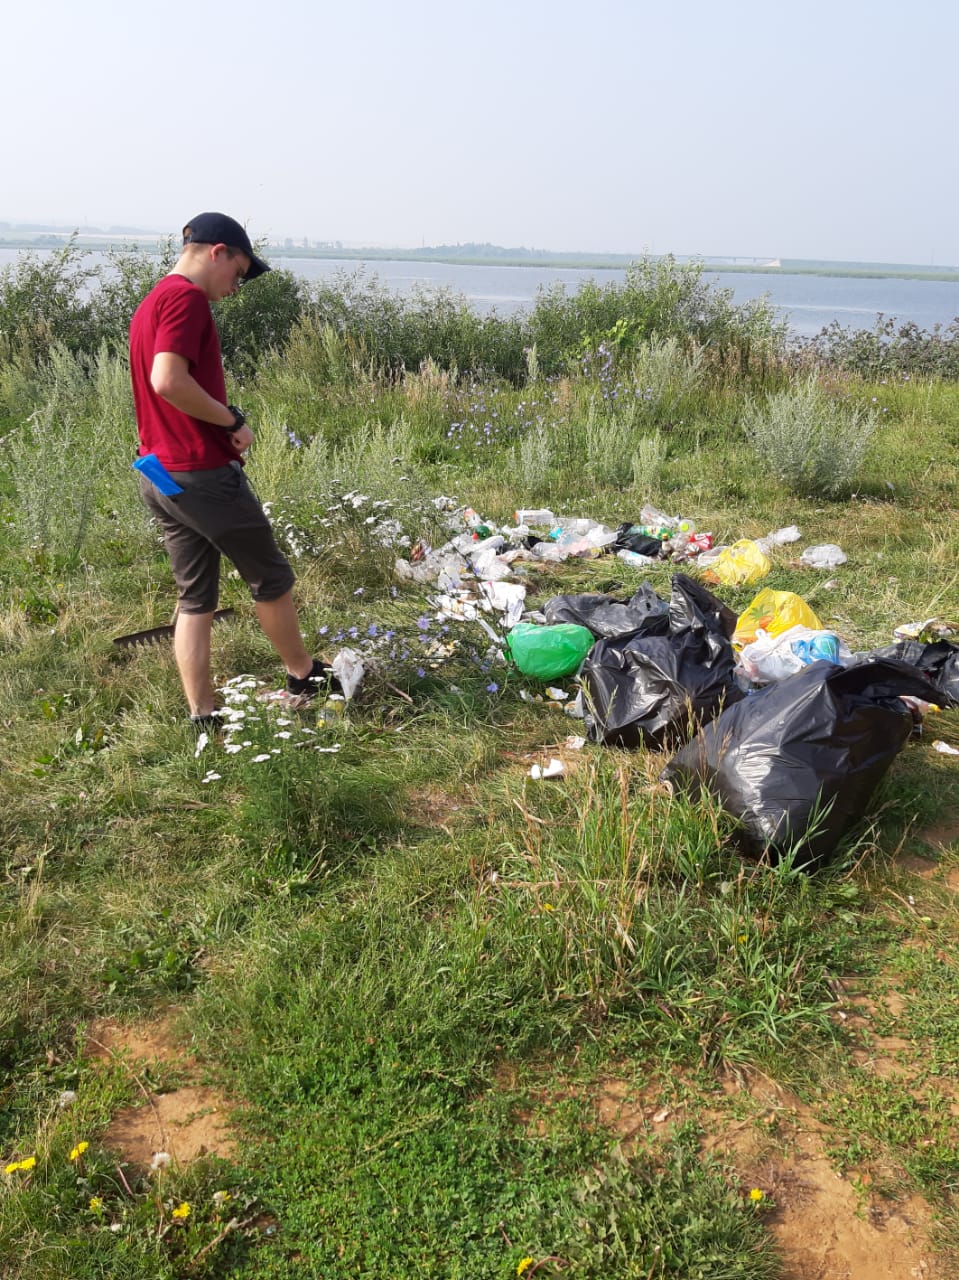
[
  {"x": 757, "y": 1196},
  {"x": 548, "y": 906},
  {"x": 743, "y": 937},
  {"x": 78, "y": 1150},
  {"x": 28, "y": 1163},
  {"x": 523, "y": 1265},
  {"x": 181, "y": 1211},
  {"x": 95, "y": 1205}
]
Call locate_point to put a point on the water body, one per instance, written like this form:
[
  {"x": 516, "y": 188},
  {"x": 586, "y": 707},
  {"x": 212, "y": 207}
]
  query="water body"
[{"x": 807, "y": 302}]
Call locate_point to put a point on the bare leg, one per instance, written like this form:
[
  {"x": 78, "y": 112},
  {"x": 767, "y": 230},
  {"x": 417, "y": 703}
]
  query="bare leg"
[
  {"x": 191, "y": 647},
  {"x": 281, "y": 626}
]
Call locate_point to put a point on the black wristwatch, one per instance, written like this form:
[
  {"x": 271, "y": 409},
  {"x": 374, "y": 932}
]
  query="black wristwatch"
[{"x": 239, "y": 418}]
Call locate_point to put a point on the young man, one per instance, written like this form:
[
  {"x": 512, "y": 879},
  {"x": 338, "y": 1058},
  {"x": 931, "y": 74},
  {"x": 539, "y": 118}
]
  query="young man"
[{"x": 179, "y": 392}]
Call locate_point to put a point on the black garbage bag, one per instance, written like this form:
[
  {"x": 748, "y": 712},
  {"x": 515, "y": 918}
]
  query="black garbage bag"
[
  {"x": 691, "y": 605},
  {"x": 938, "y": 662},
  {"x": 607, "y": 617},
  {"x": 629, "y": 539},
  {"x": 798, "y": 762},
  {"x": 655, "y": 687}
]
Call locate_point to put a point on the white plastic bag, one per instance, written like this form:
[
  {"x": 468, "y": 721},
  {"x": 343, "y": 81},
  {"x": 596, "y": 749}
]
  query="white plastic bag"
[
  {"x": 770, "y": 658},
  {"x": 826, "y": 555},
  {"x": 349, "y": 670}
]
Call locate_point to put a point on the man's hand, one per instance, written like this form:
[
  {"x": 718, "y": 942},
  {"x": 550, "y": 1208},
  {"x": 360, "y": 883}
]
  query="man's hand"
[{"x": 241, "y": 439}]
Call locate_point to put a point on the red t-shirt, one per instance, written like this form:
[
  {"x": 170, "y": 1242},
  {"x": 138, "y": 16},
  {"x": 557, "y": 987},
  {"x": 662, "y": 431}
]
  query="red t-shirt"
[{"x": 175, "y": 317}]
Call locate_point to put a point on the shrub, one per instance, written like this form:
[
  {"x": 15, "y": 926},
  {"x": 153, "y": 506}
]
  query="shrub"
[
  {"x": 659, "y": 298},
  {"x": 812, "y": 442},
  {"x": 887, "y": 348},
  {"x": 45, "y": 301}
]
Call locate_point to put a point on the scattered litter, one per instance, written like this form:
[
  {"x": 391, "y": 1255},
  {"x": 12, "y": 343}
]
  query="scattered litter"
[
  {"x": 557, "y": 695},
  {"x": 349, "y": 671},
  {"x": 926, "y": 632},
  {"x": 944, "y": 748},
  {"x": 576, "y": 743},
  {"x": 201, "y": 742},
  {"x": 825, "y": 556},
  {"x": 575, "y": 709},
  {"x": 741, "y": 563},
  {"x": 555, "y": 769},
  {"x": 779, "y": 537}
]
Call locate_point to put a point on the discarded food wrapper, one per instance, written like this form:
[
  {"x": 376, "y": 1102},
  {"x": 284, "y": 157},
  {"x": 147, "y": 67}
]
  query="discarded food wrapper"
[
  {"x": 826, "y": 555},
  {"x": 460, "y": 607},
  {"x": 557, "y": 695},
  {"x": 575, "y": 709},
  {"x": 575, "y": 743},
  {"x": 944, "y": 748},
  {"x": 555, "y": 769},
  {"x": 927, "y": 632}
]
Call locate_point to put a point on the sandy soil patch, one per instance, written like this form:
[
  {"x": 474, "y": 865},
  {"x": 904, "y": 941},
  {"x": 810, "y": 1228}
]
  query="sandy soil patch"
[{"x": 187, "y": 1122}]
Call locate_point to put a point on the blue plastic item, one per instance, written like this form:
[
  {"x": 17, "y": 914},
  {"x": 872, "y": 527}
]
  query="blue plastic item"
[
  {"x": 823, "y": 646},
  {"x": 154, "y": 470}
]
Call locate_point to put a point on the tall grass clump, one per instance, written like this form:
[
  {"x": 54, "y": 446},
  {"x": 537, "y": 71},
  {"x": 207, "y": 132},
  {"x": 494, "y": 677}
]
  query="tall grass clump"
[
  {"x": 811, "y": 441},
  {"x": 68, "y": 461},
  {"x": 400, "y": 333}
]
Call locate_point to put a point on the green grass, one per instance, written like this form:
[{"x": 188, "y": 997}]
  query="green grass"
[{"x": 410, "y": 967}]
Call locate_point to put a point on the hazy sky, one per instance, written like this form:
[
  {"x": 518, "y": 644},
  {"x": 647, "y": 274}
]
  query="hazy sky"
[{"x": 820, "y": 129}]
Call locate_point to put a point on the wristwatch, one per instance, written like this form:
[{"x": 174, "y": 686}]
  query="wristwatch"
[{"x": 239, "y": 418}]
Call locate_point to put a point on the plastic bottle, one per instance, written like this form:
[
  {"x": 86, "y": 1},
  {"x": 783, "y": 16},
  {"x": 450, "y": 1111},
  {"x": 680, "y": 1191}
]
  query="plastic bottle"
[{"x": 652, "y": 515}]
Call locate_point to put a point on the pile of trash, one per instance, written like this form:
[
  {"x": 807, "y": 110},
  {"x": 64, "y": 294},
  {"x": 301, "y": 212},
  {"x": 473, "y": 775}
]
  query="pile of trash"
[
  {"x": 768, "y": 710},
  {"x": 479, "y": 549}
]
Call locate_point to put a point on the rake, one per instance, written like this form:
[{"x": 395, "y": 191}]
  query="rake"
[{"x": 153, "y": 635}]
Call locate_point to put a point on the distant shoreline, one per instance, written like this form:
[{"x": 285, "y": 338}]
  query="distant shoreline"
[{"x": 584, "y": 261}]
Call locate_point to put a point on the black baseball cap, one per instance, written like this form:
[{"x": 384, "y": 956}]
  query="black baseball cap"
[{"x": 217, "y": 228}]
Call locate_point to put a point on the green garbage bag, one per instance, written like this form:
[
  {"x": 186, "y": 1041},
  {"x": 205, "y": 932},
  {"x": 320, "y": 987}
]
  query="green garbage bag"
[{"x": 547, "y": 653}]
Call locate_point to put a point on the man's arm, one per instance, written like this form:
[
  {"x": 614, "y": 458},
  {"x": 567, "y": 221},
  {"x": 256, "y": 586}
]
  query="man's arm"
[{"x": 170, "y": 377}]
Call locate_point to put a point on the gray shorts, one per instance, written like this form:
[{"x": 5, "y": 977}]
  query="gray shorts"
[{"x": 217, "y": 514}]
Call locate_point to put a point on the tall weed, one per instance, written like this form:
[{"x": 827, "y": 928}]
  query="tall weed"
[{"x": 811, "y": 441}]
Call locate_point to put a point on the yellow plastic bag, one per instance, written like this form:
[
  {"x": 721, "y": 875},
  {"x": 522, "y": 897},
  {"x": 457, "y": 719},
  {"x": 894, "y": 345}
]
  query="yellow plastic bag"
[
  {"x": 774, "y": 612},
  {"x": 742, "y": 562}
]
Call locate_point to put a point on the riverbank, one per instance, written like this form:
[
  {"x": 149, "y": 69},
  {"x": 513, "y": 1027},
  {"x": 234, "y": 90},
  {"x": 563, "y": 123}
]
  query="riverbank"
[{"x": 456, "y": 256}]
